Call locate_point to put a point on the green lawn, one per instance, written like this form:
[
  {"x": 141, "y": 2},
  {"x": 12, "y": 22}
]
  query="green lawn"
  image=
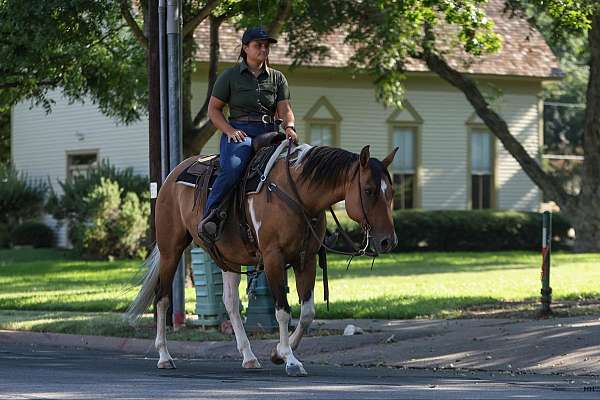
[{"x": 399, "y": 286}]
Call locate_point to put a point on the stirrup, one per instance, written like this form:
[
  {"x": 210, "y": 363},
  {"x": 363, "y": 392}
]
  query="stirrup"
[{"x": 211, "y": 227}]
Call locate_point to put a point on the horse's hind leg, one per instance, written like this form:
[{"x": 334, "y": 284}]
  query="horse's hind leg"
[
  {"x": 275, "y": 270},
  {"x": 231, "y": 299},
  {"x": 305, "y": 284},
  {"x": 171, "y": 245}
]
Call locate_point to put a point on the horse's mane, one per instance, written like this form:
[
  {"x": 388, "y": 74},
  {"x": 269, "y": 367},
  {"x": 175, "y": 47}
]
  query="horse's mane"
[{"x": 328, "y": 166}]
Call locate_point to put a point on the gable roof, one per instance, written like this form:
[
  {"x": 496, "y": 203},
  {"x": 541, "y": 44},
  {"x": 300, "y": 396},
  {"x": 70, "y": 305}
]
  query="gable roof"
[{"x": 524, "y": 51}]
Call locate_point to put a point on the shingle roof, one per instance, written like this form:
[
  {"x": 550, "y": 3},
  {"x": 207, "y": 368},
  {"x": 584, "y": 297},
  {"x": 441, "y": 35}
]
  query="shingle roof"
[{"x": 524, "y": 51}]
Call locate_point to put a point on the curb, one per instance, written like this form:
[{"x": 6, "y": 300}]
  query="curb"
[{"x": 203, "y": 350}]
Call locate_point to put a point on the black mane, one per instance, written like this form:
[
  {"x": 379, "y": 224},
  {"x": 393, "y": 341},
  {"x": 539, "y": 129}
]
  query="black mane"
[{"x": 328, "y": 166}]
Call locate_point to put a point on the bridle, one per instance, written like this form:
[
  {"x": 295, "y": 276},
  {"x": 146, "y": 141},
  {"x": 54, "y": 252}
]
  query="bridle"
[{"x": 295, "y": 202}]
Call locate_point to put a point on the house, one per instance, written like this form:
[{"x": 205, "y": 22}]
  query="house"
[{"x": 447, "y": 158}]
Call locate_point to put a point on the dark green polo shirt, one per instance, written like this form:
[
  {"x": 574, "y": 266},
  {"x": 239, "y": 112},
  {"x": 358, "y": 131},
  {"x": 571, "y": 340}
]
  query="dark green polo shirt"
[{"x": 247, "y": 95}]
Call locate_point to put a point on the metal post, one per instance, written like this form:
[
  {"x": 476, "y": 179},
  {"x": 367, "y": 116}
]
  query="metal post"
[
  {"x": 175, "y": 123},
  {"x": 546, "y": 257},
  {"x": 164, "y": 100}
]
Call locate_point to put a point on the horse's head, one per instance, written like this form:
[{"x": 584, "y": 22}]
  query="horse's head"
[{"x": 369, "y": 199}]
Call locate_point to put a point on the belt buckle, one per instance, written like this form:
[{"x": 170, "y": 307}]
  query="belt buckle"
[{"x": 263, "y": 119}]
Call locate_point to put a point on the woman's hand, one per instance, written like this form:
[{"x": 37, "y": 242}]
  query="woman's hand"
[
  {"x": 236, "y": 135},
  {"x": 291, "y": 134}
]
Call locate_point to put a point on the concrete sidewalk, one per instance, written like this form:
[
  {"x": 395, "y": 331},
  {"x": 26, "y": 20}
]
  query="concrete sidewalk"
[{"x": 568, "y": 346}]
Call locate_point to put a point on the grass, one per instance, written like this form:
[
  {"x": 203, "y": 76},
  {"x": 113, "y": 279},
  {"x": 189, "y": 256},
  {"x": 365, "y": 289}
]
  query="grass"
[{"x": 413, "y": 285}]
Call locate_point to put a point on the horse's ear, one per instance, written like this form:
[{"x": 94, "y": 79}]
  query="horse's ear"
[
  {"x": 364, "y": 156},
  {"x": 388, "y": 160}
]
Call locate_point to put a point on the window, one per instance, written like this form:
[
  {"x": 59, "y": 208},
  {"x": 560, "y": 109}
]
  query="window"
[
  {"x": 482, "y": 173},
  {"x": 80, "y": 163},
  {"x": 321, "y": 135},
  {"x": 323, "y": 124},
  {"x": 404, "y": 167}
]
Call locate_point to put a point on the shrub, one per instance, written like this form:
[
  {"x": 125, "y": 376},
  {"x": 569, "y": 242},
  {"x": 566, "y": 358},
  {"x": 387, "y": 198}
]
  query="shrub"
[
  {"x": 4, "y": 236},
  {"x": 71, "y": 204},
  {"x": 112, "y": 225},
  {"x": 34, "y": 234},
  {"x": 479, "y": 230},
  {"x": 20, "y": 198}
]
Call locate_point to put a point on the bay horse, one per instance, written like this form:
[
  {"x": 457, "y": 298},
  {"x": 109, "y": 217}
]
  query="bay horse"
[{"x": 324, "y": 176}]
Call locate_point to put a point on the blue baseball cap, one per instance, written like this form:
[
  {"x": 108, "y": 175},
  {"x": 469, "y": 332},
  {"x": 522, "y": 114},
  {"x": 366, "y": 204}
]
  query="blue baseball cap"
[{"x": 256, "y": 33}]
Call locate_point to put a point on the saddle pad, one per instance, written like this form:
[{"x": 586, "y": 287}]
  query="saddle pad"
[{"x": 258, "y": 169}]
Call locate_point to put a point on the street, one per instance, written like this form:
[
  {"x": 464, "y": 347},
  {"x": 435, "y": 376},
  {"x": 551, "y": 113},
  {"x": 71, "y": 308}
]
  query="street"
[{"x": 44, "y": 372}]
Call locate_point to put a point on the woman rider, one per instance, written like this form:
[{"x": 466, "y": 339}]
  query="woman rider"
[{"x": 255, "y": 93}]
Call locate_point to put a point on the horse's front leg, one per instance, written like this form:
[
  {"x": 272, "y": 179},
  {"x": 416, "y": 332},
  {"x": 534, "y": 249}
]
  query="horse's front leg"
[
  {"x": 231, "y": 299},
  {"x": 275, "y": 270},
  {"x": 305, "y": 284}
]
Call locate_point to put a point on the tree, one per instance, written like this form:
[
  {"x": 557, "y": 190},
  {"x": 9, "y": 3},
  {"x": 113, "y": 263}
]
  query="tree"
[
  {"x": 387, "y": 34},
  {"x": 4, "y": 137},
  {"x": 81, "y": 48},
  {"x": 197, "y": 128}
]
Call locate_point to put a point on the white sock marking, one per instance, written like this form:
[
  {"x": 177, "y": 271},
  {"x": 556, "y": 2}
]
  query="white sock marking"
[
  {"x": 307, "y": 314},
  {"x": 231, "y": 299}
]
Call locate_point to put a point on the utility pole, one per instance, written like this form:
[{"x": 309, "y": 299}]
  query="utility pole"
[
  {"x": 174, "y": 24},
  {"x": 154, "y": 139}
]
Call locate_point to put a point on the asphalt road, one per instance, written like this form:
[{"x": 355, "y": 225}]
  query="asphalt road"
[{"x": 40, "y": 372}]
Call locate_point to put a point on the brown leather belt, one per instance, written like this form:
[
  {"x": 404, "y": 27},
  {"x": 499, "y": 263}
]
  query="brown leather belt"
[{"x": 265, "y": 119}]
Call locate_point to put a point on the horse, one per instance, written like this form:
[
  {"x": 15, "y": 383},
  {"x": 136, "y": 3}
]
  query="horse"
[{"x": 323, "y": 177}]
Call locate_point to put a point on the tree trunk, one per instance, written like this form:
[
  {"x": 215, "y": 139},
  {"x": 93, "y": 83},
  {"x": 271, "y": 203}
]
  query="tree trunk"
[
  {"x": 582, "y": 210},
  {"x": 586, "y": 216}
]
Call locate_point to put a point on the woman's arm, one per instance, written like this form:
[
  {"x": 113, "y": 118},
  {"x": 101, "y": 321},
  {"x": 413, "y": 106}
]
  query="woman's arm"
[
  {"x": 284, "y": 110},
  {"x": 215, "y": 113}
]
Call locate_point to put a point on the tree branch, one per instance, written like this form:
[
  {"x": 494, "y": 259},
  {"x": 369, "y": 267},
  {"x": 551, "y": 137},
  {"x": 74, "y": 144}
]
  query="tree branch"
[
  {"x": 284, "y": 9},
  {"x": 192, "y": 24},
  {"x": 495, "y": 123},
  {"x": 133, "y": 25}
]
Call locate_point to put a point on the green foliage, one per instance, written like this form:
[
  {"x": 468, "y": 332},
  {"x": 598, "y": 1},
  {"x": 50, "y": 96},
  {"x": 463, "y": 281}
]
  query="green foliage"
[
  {"x": 112, "y": 226},
  {"x": 82, "y": 48},
  {"x": 20, "y": 198},
  {"x": 34, "y": 234},
  {"x": 388, "y": 33},
  {"x": 73, "y": 203},
  {"x": 456, "y": 230},
  {"x": 4, "y": 236},
  {"x": 4, "y": 137},
  {"x": 106, "y": 210}
]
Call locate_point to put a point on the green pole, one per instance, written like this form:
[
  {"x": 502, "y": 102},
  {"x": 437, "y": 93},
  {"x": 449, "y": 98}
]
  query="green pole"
[
  {"x": 260, "y": 316},
  {"x": 546, "y": 258}
]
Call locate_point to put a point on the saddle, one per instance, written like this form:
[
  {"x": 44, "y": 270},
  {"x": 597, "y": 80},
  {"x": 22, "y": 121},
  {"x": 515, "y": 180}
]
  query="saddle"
[{"x": 202, "y": 174}]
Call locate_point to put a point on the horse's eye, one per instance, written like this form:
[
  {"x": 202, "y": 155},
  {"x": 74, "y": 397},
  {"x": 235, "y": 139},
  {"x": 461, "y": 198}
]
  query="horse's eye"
[{"x": 369, "y": 192}]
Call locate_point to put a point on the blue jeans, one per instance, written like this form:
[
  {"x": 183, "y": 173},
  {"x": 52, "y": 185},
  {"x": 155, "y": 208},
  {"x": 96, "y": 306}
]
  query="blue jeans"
[{"x": 234, "y": 159}]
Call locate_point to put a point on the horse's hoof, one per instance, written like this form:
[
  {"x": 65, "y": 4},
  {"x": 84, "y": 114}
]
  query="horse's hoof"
[
  {"x": 275, "y": 358},
  {"x": 168, "y": 364},
  {"x": 295, "y": 370},
  {"x": 252, "y": 364}
]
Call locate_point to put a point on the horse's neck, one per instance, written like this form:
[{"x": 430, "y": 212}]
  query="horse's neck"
[{"x": 316, "y": 200}]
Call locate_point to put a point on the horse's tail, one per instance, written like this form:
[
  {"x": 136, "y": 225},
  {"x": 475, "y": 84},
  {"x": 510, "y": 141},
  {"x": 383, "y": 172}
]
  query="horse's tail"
[{"x": 147, "y": 292}]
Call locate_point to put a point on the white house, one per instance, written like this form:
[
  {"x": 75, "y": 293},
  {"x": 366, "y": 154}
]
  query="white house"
[{"x": 447, "y": 158}]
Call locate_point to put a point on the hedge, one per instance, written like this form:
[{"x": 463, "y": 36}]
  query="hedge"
[
  {"x": 34, "y": 234},
  {"x": 476, "y": 230}
]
